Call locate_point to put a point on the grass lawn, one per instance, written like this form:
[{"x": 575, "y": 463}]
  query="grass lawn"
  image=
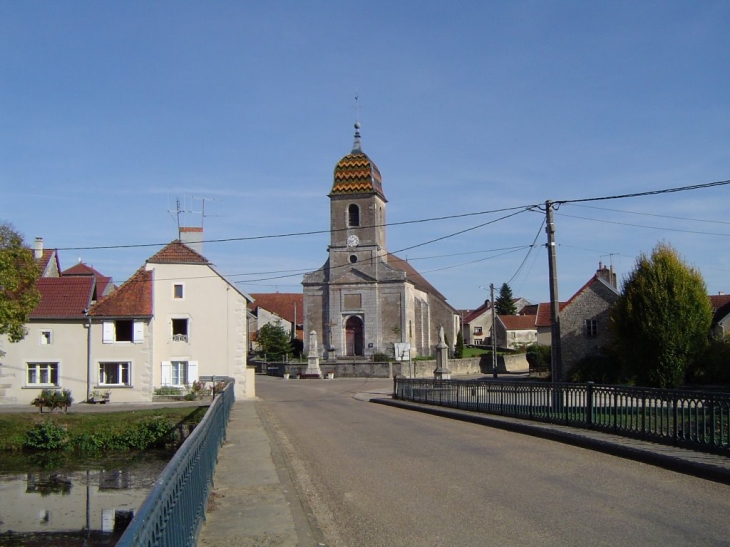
[{"x": 13, "y": 427}]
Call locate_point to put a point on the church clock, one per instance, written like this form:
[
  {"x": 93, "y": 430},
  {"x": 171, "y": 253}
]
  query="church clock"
[{"x": 353, "y": 241}]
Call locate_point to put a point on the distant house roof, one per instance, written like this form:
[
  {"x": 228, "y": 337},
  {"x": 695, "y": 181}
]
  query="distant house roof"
[
  {"x": 518, "y": 322},
  {"x": 48, "y": 263},
  {"x": 471, "y": 316},
  {"x": 133, "y": 298},
  {"x": 282, "y": 304},
  {"x": 543, "y": 313},
  {"x": 720, "y": 306},
  {"x": 104, "y": 284},
  {"x": 177, "y": 253},
  {"x": 63, "y": 297}
]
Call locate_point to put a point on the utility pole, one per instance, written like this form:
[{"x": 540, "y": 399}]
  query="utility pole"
[
  {"x": 556, "y": 354},
  {"x": 494, "y": 332}
]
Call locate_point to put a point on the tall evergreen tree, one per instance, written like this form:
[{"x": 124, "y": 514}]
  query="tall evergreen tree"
[
  {"x": 274, "y": 341},
  {"x": 662, "y": 319},
  {"x": 459, "y": 348},
  {"x": 505, "y": 304}
]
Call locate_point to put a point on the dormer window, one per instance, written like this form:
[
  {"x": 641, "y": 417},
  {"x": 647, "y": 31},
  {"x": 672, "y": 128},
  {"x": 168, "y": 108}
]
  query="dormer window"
[{"x": 353, "y": 215}]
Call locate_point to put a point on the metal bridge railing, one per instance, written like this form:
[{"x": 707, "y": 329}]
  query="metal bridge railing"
[
  {"x": 698, "y": 420},
  {"x": 174, "y": 510}
]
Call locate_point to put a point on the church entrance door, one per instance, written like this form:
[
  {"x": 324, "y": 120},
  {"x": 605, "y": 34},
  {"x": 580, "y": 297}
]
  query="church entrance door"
[{"x": 353, "y": 336}]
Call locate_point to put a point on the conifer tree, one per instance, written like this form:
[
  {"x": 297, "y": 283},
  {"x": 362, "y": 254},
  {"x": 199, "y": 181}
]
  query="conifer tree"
[{"x": 505, "y": 304}]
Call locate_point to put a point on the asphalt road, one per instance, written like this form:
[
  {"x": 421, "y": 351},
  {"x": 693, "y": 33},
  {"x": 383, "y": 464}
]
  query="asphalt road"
[{"x": 380, "y": 476}]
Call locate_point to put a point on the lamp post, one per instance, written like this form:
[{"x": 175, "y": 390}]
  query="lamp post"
[{"x": 494, "y": 333}]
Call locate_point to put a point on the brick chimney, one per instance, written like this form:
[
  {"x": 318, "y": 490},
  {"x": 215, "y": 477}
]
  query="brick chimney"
[{"x": 607, "y": 275}]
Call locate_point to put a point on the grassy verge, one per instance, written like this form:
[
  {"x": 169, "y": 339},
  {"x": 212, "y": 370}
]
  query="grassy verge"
[{"x": 15, "y": 427}]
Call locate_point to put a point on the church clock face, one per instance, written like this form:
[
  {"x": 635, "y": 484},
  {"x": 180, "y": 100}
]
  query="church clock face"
[{"x": 353, "y": 241}]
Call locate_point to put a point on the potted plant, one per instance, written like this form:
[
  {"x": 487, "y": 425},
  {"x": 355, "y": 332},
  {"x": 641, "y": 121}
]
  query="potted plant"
[
  {"x": 53, "y": 399},
  {"x": 97, "y": 396}
]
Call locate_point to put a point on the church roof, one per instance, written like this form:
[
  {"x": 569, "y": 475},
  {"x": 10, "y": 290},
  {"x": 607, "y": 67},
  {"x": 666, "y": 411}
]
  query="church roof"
[
  {"x": 356, "y": 173},
  {"x": 413, "y": 276}
]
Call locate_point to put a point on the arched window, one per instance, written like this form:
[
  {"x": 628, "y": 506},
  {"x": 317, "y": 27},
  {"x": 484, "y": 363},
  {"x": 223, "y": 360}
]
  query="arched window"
[{"x": 353, "y": 215}]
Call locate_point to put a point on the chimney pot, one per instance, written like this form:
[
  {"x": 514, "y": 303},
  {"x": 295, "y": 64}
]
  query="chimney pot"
[{"x": 38, "y": 251}]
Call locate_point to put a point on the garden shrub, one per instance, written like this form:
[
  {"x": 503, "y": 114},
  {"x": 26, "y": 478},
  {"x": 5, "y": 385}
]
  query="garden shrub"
[{"x": 46, "y": 435}]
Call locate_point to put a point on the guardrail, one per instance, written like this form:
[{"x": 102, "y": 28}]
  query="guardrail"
[
  {"x": 698, "y": 420},
  {"x": 173, "y": 511}
]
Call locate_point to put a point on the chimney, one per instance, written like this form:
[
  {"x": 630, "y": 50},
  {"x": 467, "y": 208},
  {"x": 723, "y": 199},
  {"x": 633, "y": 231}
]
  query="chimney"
[
  {"x": 607, "y": 275},
  {"x": 38, "y": 251},
  {"x": 192, "y": 237}
]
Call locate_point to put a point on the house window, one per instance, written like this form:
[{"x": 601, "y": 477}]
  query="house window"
[
  {"x": 42, "y": 374},
  {"x": 179, "y": 373},
  {"x": 114, "y": 374},
  {"x": 478, "y": 341},
  {"x": 591, "y": 328},
  {"x": 122, "y": 330},
  {"x": 179, "y": 330},
  {"x": 353, "y": 215},
  {"x": 477, "y": 330},
  {"x": 177, "y": 291},
  {"x": 46, "y": 337}
]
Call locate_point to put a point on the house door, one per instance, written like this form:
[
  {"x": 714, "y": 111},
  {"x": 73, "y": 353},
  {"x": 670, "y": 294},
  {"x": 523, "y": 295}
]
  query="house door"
[{"x": 353, "y": 336}]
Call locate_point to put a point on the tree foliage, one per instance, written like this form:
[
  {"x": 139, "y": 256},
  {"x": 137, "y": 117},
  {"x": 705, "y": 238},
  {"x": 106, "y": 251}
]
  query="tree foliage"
[
  {"x": 504, "y": 305},
  {"x": 274, "y": 340},
  {"x": 18, "y": 274},
  {"x": 662, "y": 319},
  {"x": 459, "y": 348}
]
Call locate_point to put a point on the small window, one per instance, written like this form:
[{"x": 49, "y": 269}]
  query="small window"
[
  {"x": 179, "y": 330},
  {"x": 114, "y": 374},
  {"x": 177, "y": 291},
  {"x": 124, "y": 330},
  {"x": 477, "y": 330},
  {"x": 591, "y": 328},
  {"x": 478, "y": 341},
  {"x": 42, "y": 374},
  {"x": 353, "y": 259},
  {"x": 353, "y": 215},
  {"x": 46, "y": 337}
]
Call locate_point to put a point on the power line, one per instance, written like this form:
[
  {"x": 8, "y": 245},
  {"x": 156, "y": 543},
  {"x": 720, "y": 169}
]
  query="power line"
[
  {"x": 649, "y": 193},
  {"x": 654, "y": 215},
  {"x": 647, "y": 227}
]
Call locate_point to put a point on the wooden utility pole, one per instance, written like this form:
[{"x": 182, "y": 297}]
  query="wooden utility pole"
[{"x": 555, "y": 351}]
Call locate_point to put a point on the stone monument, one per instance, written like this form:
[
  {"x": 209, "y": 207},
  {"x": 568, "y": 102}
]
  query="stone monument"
[
  {"x": 313, "y": 370},
  {"x": 442, "y": 372}
]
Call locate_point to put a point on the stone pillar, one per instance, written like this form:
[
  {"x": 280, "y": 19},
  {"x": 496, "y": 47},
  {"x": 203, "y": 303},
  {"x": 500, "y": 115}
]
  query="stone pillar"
[
  {"x": 442, "y": 371},
  {"x": 313, "y": 369}
]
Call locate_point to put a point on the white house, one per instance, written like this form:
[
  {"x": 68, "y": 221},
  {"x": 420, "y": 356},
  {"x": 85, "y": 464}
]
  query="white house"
[{"x": 174, "y": 320}]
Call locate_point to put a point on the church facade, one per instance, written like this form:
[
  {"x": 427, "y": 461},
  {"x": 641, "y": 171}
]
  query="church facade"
[{"x": 364, "y": 300}]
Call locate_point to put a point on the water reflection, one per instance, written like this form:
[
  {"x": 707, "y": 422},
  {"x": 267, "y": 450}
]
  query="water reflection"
[{"x": 93, "y": 503}]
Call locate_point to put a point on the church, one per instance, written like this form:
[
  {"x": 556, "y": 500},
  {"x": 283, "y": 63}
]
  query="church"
[{"x": 365, "y": 301}]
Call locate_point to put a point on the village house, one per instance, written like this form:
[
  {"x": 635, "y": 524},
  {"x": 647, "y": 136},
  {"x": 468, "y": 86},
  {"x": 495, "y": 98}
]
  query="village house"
[{"x": 172, "y": 321}]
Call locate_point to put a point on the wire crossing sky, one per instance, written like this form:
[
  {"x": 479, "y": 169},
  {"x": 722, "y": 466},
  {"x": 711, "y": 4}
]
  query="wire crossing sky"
[{"x": 112, "y": 112}]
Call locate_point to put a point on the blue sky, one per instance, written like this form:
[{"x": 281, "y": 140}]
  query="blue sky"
[{"x": 110, "y": 111}]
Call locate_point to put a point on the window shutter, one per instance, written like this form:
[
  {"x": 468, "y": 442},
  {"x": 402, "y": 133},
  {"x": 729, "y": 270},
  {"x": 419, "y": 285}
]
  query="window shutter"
[
  {"x": 107, "y": 335},
  {"x": 192, "y": 371},
  {"x": 138, "y": 332},
  {"x": 166, "y": 376}
]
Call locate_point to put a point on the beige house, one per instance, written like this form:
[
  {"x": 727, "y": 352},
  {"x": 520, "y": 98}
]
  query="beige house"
[
  {"x": 477, "y": 323},
  {"x": 174, "y": 320},
  {"x": 516, "y": 331}
]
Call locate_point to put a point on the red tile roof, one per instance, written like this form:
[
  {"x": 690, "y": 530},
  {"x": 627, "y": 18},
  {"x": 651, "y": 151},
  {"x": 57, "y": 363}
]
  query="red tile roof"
[
  {"x": 46, "y": 262},
  {"x": 518, "y": 322},
  {"x": 543, "y": 313},
  {"x": 133, "y": 298},
  {"x": 282, "y": 304},
  {"x": 63, "y": 297},
  {"x": 471, "y": 316},
  {"x": 102, "y": 282},
  {"x": 177, "y": 253}
]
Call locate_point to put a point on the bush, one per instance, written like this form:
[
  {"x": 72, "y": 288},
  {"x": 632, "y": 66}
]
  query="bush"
[
  {"x": 713, "y": 366},
  {"x": 539, "y": 357},
  {"x": 381, "y": 358},
  {"x": 46, "y": 436},
  {"x": 602, "y": 368}
]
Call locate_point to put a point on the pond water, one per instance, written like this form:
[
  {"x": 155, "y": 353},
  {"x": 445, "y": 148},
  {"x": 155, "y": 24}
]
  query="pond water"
[{"x": 61, "y": 500}]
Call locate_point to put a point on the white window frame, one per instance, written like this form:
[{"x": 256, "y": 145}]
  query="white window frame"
[
  {"x": 45, "y": 337},
  {"x": 171, "y": 372},
  {"x": 180, "y": 337},
  {"x": 182, "y": 291},
  {"x": 109, "y": 336},
  {"x": 120, "y": 373},
  {"x": 39, "y": 365}
]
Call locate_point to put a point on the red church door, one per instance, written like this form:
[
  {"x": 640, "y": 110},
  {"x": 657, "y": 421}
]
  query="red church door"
[{"x": 353, "y": 336}]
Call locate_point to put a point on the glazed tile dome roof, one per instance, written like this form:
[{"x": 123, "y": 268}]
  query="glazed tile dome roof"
[{"x": 356, "y": 173}]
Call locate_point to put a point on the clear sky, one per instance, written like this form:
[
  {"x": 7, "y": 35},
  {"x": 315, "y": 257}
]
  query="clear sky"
[{"x": 110, "y": 111}]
